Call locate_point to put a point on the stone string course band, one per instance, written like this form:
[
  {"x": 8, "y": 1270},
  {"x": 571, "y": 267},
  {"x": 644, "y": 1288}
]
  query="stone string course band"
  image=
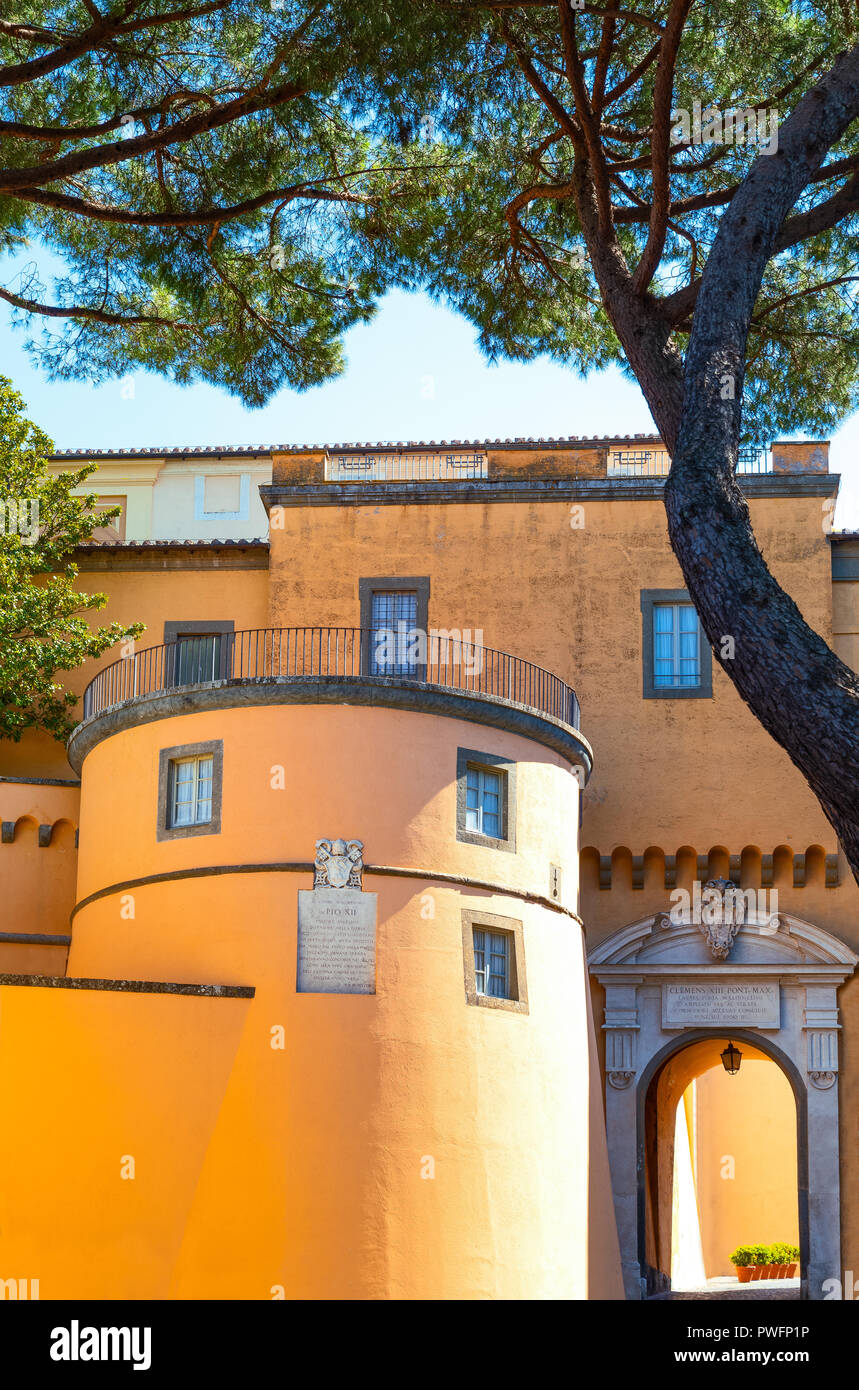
[
  {"x": 299, "y": 867},
  {"x": 129, "y": 986}
]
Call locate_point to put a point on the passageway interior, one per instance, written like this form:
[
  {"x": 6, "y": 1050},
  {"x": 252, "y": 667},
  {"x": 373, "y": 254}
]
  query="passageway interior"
[{"x": 720, "y": 1165}]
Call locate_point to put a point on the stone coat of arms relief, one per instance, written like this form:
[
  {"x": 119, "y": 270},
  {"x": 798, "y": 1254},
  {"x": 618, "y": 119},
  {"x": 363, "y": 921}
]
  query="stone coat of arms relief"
[{"x": 338, "y": 864}]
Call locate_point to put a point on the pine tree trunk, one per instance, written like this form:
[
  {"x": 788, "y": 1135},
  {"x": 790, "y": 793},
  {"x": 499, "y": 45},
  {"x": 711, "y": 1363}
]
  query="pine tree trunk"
[{"x": 801, "y": 692}]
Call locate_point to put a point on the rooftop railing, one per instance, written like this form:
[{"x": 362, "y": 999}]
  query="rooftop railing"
[
  {"x": 396, "y": 467},
  {"x": 638, "y": 463},
  {"x": 656, "y": 463},
  {"x": 438, "y": 659},
  {"x": 448, "y": 467}
]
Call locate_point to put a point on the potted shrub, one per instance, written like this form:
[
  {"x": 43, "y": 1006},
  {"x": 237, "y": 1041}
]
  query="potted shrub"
[
  {"x": 761, "y": 1268},
  {"x": 786, "y": 1258},
  {"x": 743, "y": 1260}
]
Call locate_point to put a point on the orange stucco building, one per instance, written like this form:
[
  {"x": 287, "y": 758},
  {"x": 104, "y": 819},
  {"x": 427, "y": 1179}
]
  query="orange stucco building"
[{"x": 472, "y": 667}]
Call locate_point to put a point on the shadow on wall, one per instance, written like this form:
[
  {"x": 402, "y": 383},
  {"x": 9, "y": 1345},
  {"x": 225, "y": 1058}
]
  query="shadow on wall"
[
  {"x": 39, "y": 864},
  {"x": 720, "y": 1160},
  {"x": 605, "y": 1278}
]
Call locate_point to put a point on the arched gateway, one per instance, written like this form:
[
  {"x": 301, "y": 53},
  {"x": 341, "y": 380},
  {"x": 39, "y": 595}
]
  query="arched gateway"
[{"x": 669, "y": 984}]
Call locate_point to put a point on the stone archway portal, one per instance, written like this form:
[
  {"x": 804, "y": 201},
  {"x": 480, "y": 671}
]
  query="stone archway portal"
[{"x": 666, "y": 987}]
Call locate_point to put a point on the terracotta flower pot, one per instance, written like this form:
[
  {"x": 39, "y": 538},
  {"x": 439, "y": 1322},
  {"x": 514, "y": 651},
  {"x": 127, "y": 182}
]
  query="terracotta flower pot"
[
  {"x": 791, "y": 1271},
  {"x": 744, "y": 1273}
]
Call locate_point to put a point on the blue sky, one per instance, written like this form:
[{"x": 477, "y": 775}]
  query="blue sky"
[{"x": 415, "y": 372}]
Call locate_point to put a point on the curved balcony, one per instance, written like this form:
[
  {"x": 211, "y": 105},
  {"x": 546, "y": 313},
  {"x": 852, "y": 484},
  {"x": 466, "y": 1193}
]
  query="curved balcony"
[{"x": 408, "y": 668}]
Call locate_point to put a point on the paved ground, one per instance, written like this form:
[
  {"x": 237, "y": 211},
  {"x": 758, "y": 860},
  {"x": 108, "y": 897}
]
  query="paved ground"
[{"x": 769, "y": 1290}]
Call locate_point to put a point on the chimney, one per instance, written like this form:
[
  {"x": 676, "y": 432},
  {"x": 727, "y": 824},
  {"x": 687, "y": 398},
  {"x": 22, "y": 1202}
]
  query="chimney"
[{"x": 801, "y": 456}]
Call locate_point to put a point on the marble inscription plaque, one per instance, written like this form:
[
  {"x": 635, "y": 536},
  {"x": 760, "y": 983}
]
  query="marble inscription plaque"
[
  {"x": 336, "y": 941},
  {"x": 751, "y": 1002}
]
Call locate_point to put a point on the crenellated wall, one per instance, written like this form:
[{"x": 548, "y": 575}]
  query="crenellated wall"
[
  {"x": 38, "y": 864},
  {"x": 622, "y": 885}
]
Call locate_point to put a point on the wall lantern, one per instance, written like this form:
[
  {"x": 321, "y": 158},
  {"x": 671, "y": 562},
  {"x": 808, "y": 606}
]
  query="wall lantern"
[{"x": 731, "y": 1058}]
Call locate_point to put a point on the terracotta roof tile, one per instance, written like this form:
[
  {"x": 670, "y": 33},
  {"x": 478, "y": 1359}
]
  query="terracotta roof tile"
[{"x": 263, "y": 450}]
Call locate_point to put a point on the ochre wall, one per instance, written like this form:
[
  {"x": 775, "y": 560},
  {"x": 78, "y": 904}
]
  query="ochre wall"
[
  {"x": 393, "y": 783},
  {"x": 750, "y": 1119},
  {"x": 89, "y": 1078},
  {"x": 152, "y": 597},
  {"x": 568, "y": 598},
  {"x": 845, "y": 621},
  {"x": 312, "y": 1174},
  {"x": 669, "y": 774},
  {"x": 38, "y": 880}
]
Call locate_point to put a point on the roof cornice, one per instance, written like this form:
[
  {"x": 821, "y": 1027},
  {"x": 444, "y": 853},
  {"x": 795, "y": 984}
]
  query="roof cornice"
[
  {"x": 484, "y": 491},
  {"x": 265, "y": 451},
  {"x": 173, "y": 555}
]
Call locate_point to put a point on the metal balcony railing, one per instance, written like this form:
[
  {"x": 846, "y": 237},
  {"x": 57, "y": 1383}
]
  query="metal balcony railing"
[
  {"x": 399, "y": 467},
  {"x": 438, "y": 659},
  {"x": 656, "y": 463},
  {"x": 638, "y": 463},
  {"x": 409, "y": 468},
  {"x": 754, "y": 459}
]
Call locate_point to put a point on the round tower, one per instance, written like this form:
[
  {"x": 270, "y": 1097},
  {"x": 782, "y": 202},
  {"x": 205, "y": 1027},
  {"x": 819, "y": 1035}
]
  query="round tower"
[{"x": 390, "y": 865}]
